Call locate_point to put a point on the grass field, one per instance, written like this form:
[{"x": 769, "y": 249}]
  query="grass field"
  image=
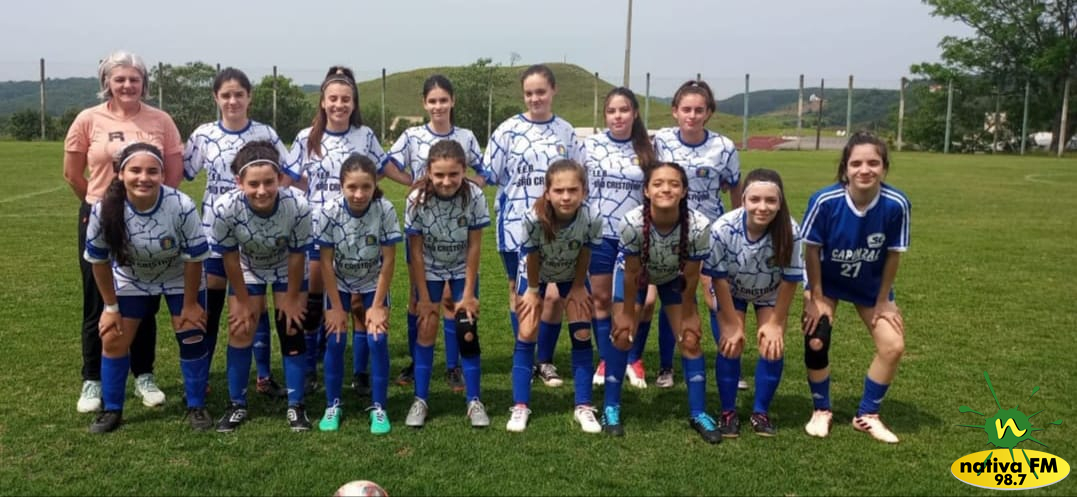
[{"x": 984, "y": 287}]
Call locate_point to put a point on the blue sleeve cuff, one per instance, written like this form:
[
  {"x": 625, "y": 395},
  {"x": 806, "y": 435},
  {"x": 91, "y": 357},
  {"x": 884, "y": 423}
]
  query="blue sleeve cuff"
[
  {"x": 413, "y": 231},
  {"x": 293, "y": 175},
  {"x": 479, "y": 226},
  {"x": 99, "y": 255},
  {"x": 197, "y": 250},
  {"x": 698, "y": 257},
  {"x": 392, "y": 241}
]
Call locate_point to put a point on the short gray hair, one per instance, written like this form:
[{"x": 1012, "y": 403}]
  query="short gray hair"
[{"x": 120, "y": 58}]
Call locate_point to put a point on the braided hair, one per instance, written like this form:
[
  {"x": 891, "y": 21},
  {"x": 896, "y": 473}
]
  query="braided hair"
[{"x": 683, "y": 220}]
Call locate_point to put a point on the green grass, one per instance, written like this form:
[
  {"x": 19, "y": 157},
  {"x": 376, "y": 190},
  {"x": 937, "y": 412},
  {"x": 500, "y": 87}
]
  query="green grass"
[{"x": 984, "y": 287}]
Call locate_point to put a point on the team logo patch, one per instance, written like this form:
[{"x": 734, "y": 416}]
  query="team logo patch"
[
  {"x": 704, "y": 172},
  {"x": 562, "y": 151},
  {"x": 574, "y": 245},
  {"x": 462, "y": 222},
  {"x": 371, "y": 240},
  {"x": 635, "y": 161},
  {"x": 876, "y": 240},
  {"x": 168, "y": 242}
]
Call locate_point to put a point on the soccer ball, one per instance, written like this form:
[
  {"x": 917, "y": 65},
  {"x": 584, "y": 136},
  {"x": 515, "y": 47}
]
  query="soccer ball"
[{"x": 361, "y": 488}]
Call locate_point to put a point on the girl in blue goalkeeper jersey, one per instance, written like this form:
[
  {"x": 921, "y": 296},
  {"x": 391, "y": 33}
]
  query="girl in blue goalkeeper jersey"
[
  {"x": 145, "y": 241},
  {"x": 357, "y": 236},
  {"x": 854, "y": 234},
  {"x": 663, "y": 243},
  {"x": 755, "y": 258},
  {"x": 559, "y": 234},
  {"x": 516, "y": 159},
  {"x": 444, "y": 218},
  {"x": 263, "y": 232},
  {"x": 615, "y": 163},
  {"x": 211, "y": 147},
  {"x": 409, "y": 154}
]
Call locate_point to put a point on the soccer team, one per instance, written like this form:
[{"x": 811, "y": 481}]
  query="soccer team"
[{"x": 592, "y": 231}]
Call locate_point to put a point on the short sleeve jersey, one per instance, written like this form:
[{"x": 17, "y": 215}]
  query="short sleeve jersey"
[
  {"x": 748, "y": 264},
  {"x": 710, "y": 165},
  {"x": 516, "y": 159},
  {"x": 854, "y": 243},
  {"x": 263, "y": 241},
  {"x": 159, "y": 242},
  {"x": 559, "y": 255},
  {"x": 664, "y": 256},
  {"x": 444, "y": 225},
  {"x": 616, "y": 180},
  {"x": 357, "y": 239},
  {"x": 323, "y": 171},
  {"x": 412, "y": 149}
]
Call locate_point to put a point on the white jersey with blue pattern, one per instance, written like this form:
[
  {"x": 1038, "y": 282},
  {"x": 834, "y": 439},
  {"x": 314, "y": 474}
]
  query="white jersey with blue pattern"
[
  {"x": 516, "y": 159},
  {"x": 663, "y": 262},
  {"x": 559, "y": 255},
  {"x": 323, "y": 171},
  {"x": 444, "y": 225},
  {"x": 212, "y": 147},
  {"x": 159, "y": 243},
  {"x": 263, "y": 242},
  {"x": 357, "y": 239},
  {"x": 616, "y": 179},
  {"x": 853, "y": 243},
  {"x": 413, "y": 148},
  {"x": 710, "y": 165},
  {"x": 746, "y": 263}
]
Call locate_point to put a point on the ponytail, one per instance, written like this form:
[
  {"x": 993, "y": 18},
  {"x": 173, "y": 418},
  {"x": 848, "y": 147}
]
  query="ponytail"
[{"x": 114, "y": 203}]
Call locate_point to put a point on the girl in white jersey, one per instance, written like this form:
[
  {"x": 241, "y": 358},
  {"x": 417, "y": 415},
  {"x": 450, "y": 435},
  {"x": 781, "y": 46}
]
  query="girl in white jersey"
[
  {"x": 713, "y": 167},
  {"x": 409, "y": 154},
  {"x": 615, "y": 163},
  {"x": 755, "y": 259},
  {"x": 516, "y": 159},
  {"x": 559, "y": 234},
  {"x": 357, "y": 236},
  {"x": 316, "y": 155},
  {"x": 263, "y": 232},
  {"x": 444, "y": 218},
  {"x": 145, "y": 240},
  {"x": 663, "y": 242},
  {"x": 211, "y": 147}
]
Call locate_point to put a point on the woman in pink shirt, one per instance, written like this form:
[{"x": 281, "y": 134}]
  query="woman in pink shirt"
[{"x": 93, "y": 140}]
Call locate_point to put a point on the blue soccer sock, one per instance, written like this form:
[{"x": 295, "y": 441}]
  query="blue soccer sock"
[
  {"x": 820, "y": 393},
  {"x": 472, "y": 376},
  {"x": 452, "y": 347},
  {"x": 616, "y": 363},
  {"x": 602, "y": 335},
  {"x": 667, "y": 342},
  {"x": 639, "y": 342},
  {"x": 114, "y": 381},
  {"x": 413, "y": 335},
  {"x": 727, "y": 372},
  {"x": 695, "y": 377},
  {"x": 768, "y": 374},
  {"x": 333, "y": 366},
  {"x": 514, "y": 321},
  {"x": 263, "y": 347},
  {"x": 523, "y": 362},
  {"x": 194, "y": 364},
  {"x": 379, "y": 367},
  {"x": 548, "y": 334},
  {"x": 424, "y": 362},
  {"x": 295, "y": 370},
  {"x": 873, "y": 397},
  {"x": 239, "y": 373},
  {"x": 360, "y": 352},
  {"x": 583, "y": 362}
]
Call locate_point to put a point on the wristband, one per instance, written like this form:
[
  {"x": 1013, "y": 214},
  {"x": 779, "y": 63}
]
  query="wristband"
[
  {"x": 112, "y": 308},
  {"x": 532, "y": 289}
]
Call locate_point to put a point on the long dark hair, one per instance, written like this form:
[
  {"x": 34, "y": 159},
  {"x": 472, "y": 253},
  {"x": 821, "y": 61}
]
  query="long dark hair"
[
  {"x": 683, "y": 220},
  {"x": 336, "y": 74},
  {"x": 361, "y": 163},
  {"x": 641, "y": 143},
  {"x": 113, "y": 204},
  {"x": 543, "y": 207},
  {"x": 442, "y": 150},
  {"x": 861, "y": 138},
  {"x": 780, "y": 229},
  {"x": 439, "y": 81}
]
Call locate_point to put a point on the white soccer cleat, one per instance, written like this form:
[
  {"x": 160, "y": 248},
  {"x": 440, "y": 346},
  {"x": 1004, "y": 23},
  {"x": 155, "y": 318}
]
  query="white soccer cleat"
[
  {"x": 147, "y": 390},
  {"x": 873, "y": 425},
  {"x": 819, "y": 425},
  {"x": 416, "y": 414},
  {"x": 90, "y": 399},
  {"x": 518, "y": 416},
  {"x": 585, "y": 416},
  {"x": 476, "y": 413}
]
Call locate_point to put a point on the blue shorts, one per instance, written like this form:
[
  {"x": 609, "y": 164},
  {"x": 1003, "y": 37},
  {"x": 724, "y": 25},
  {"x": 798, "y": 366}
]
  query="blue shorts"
[
  {"x": 260, "y": 289},
  {"x": 665, "y": 291},
  {"x": 138, "y": 306},
  {"x": 346, "y": 300},
  {"x": 511, "y": 261},
  {"x": 214, "y": 266},
  {"x": 562, "y": 288},
  {"x": 314, "y": 253},
  {"x": 603, "y": 257},
  {"x": 436, "y": 289},
  {"x": 742, "y": 305}
]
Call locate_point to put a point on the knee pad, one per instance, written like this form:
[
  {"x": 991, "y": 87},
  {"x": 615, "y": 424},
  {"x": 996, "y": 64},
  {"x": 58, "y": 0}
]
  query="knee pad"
[
  {"x": 192, "y": 344},
  {"x": 467, "y": 335},
  {"x": 818, "y": 359},
  {"x": 290, "y": 345},
  {"x": 581, "y": 335},
  {"x": 315, "y": 303}
]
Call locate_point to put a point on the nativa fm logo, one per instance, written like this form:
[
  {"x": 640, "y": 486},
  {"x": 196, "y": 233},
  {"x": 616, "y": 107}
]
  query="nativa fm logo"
[{"x": 1002, "y": 470}]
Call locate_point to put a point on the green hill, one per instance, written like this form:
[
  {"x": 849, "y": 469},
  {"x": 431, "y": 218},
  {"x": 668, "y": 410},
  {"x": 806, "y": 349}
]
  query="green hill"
[
  {"x": 61, "y": 94},
  {"x": 871, "y": 107}
]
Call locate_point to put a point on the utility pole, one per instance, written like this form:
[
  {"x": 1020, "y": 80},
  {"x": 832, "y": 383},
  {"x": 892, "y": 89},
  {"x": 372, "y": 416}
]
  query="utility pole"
[{"x": 628, "y": 44}]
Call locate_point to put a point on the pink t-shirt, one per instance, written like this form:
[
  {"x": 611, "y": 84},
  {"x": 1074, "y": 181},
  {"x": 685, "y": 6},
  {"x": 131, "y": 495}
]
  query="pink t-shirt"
[{"x": 100, "y": 135}]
